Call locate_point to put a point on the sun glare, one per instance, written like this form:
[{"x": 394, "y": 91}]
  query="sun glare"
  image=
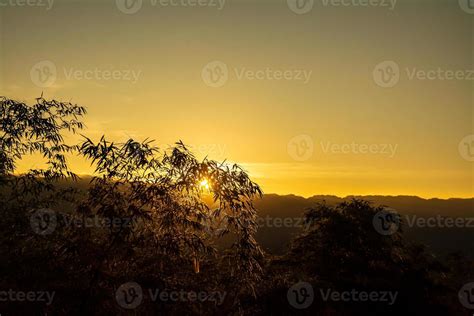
[{"x": 204, "y": 184}]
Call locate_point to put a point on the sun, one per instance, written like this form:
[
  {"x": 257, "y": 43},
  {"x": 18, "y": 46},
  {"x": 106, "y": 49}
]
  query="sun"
[{"x": 204, "y": 184}]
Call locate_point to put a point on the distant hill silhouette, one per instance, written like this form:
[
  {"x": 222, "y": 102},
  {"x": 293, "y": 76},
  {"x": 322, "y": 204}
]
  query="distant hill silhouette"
[
  {"x": 440, "y": 240},
  {"x": 275, "y": 237}
]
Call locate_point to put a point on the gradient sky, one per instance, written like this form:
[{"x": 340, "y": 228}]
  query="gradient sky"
[{"x": 252, "y": 122}]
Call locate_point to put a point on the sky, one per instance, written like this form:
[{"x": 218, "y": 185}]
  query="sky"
[{"x": 314, "y": 97}]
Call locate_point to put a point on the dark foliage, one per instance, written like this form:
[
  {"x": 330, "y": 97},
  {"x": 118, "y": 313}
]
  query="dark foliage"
[{"x": 156, "y": 224}]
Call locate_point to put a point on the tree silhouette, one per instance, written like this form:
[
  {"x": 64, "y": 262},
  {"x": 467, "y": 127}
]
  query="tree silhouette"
[
  {"x": 163, "y": 198},
  {"x": 28, "y": 130},
  {"x": 165, "y": 221},
  {"x": 38, "y": 128},
  {"x": 341, "y": 249}
]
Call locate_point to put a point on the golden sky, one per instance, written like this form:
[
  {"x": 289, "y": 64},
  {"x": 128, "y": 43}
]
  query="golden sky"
[{"x": 328, "y": 99}]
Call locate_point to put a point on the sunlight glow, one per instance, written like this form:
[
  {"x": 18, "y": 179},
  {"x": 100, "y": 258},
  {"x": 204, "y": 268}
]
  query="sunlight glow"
[{"x": 204, "y": 184}]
